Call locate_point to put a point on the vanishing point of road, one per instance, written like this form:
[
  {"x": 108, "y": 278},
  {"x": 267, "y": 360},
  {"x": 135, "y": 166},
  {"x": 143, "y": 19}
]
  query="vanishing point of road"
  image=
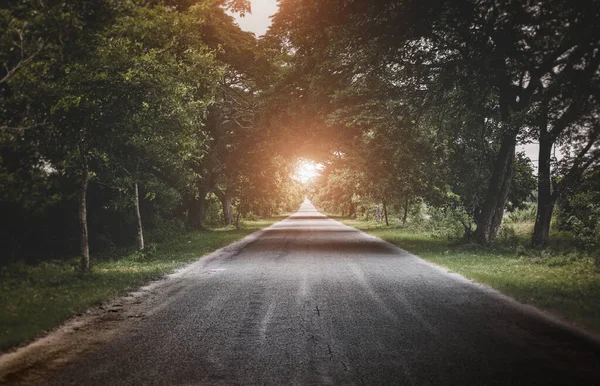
[{"x": 310, "y": 301}]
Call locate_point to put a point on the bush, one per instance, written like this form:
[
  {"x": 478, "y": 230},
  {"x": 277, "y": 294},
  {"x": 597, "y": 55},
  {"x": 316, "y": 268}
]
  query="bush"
[
  {"x": 445, "y": 222},
  {"x": 161, "y": 230},
  {"x": 213, "y": 217},
  {"x": 578, "y": 212},
  {"x": 527, "y": 214},
  {"x": 508, "y": 236},
  {"x": 250, "y": 216}
]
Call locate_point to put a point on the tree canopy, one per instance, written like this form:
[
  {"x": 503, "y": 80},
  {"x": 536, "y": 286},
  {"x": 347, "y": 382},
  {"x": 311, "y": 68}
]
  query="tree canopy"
[
  {"x": 441, "y": 93},
  {"x": 127, "y": 120}
]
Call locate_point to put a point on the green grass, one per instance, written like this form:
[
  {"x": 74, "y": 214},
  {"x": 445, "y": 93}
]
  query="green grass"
[
  {"x": 36, "y": 299},
  {"x": 564, "y": 282}
]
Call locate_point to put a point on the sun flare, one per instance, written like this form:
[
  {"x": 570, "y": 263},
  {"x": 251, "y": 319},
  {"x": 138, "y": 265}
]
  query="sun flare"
[{"x": 306, "y": 171}]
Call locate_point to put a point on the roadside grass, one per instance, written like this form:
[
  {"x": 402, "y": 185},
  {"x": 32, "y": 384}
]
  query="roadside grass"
[
  {"x": 36, "y": 299},
  {"x": 561, "y": 280}
]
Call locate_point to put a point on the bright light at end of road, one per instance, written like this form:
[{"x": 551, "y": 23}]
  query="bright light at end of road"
[{"x": 306, "y": 171}]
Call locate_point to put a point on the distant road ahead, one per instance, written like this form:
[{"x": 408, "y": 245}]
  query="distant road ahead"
[{"x": 314, "y": 302}]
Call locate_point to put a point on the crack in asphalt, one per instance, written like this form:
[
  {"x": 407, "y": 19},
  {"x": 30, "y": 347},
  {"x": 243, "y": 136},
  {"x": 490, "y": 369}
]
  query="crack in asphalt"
[
  {"x": 329, "y": 352},
  {"x": 346, "y": 369}
]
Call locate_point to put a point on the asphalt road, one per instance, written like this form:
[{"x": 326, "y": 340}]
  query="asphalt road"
[{"x": 314, "y": 302}]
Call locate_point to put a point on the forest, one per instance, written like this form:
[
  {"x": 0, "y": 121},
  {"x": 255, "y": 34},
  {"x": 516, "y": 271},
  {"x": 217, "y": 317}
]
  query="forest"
[
  {"x": 127, "y": 123},
  {"x": 431, "y": 99}
]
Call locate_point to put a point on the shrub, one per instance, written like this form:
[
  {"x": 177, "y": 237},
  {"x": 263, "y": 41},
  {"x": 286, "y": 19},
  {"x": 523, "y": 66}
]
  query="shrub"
[
  {"x": 526, "y": 214},
  {"x": 508, "y": 236},
  {"x": 250, "y": 216},
  {"x": 163, "y": 229}
]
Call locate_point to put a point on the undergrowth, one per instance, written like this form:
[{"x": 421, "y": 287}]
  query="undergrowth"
[{"x": 34, "y": 299}]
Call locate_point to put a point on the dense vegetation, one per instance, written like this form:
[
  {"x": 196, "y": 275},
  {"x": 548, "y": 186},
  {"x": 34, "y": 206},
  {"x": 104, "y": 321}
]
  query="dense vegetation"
[
  {"x": 428, "y": 100},
  {"x": 128, "y": 120}
]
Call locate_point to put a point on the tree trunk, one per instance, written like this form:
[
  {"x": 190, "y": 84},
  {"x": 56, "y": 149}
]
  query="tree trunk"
[
  {"x": 227, "y": 210},
  {"x": 196, "y": 211},
  {"x": 140, "y": 230},
  {"x": 503, "y": 199},
  {"x": 490, "y": 217},
  {"x": 546, "y": 201},
  {"x": 541, "y": 231},
  {"x": 385, "y": 213},
  {"x": 468, "y": 230},
  {"x": 225, "y": 199},
  {"x": 238, "y": 215},
  {"x": 352, "y": 210},
  {"x": 406, "y": 205},
  {"x": 84, "y": 237}
]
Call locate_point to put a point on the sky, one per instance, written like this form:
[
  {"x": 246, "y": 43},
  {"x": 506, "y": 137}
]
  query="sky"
[
  {"x": 259, "y": 21},
  {"x": 531, "y": 150}
]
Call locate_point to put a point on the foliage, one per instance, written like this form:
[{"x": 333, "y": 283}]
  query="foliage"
[
  {"x": 159, "y": 97},
  {"x": 579, "y": 212},
  {"x": 427, "y": 100}
]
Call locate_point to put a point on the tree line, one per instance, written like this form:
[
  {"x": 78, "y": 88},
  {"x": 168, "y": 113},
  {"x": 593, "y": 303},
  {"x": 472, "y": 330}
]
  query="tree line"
[
  {"x": 426, "y": 101},
  {"x": 128, "y": 121},
  {"x": 123, "y": 120}
]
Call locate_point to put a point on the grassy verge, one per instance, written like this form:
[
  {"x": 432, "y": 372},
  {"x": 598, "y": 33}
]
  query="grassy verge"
[
  {"x": 35, "y": 299},
  {"x": 566, "y": 283}
]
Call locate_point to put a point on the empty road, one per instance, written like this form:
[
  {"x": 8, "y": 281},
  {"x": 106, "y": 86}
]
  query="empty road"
[{"x": 314, "y": 302}]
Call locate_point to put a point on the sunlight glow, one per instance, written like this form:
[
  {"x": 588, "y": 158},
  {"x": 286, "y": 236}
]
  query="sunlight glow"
[{"x": 306, "y": 171}]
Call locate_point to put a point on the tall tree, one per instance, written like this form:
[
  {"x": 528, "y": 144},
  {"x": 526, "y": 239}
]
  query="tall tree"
[
  {"x": 566, "y": 116},
  {"x": 143, "y": 90},
  {"x": 510, "y": 50}
]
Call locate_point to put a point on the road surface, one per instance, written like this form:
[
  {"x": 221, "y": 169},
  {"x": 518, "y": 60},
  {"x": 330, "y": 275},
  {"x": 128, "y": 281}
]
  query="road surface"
[{"x": 314, "y": 302}]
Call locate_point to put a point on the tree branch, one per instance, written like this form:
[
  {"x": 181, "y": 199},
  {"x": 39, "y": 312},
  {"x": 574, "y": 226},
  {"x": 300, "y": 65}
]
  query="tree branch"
[
  {"x": 23, "y": 60},
  {"x": 21, "y": 129}
]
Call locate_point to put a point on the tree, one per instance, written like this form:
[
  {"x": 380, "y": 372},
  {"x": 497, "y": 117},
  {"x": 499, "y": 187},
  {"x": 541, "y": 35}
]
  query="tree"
[
  {"x": 231, "y": 113},
  {"x": 566, "y": 116},
  {"x": 140, "y": 97},
  {"x": 47, "y": 38},
  {"x": 118, "y": 110},
  {"x": 508, "y": 52},
  {"x": 579, "y": 210}
]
